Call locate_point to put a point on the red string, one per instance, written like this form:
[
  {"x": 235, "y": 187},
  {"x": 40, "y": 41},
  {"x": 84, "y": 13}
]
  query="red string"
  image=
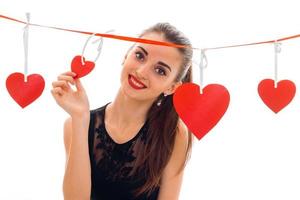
[
  {"x": 119, "y": 37},
  {"x": 147, "y": 41}
]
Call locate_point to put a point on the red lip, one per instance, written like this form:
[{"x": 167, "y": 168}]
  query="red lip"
[{"x": 135, "y": 79}]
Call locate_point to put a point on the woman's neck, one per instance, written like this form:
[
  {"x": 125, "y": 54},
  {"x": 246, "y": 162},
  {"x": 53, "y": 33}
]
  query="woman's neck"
[{"x": 124, "y": 111}]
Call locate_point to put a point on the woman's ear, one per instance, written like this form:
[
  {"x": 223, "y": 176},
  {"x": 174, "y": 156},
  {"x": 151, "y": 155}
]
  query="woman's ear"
[{"x": 173, "y": 88}]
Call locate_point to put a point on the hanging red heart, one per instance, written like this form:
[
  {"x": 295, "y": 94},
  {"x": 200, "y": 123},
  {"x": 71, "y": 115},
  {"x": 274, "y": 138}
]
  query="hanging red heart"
[
  {"x": 276, "y": 98},
  {"x": 24, "y": 93},
  {"x": 81, "y": 69},
  {"x": 201, "y": 112}
]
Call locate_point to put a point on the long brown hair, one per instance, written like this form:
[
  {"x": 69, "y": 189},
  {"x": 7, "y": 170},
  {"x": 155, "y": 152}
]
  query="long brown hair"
[{"x": 163, "y": 119}]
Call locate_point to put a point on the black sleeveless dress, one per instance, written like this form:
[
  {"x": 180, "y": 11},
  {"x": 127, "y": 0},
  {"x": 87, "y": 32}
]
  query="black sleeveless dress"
[{"x": 111, "y": 163}]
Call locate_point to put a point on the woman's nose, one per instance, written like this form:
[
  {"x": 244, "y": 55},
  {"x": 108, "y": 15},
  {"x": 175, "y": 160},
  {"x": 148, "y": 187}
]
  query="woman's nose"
[{"x": 142, "y": 71}]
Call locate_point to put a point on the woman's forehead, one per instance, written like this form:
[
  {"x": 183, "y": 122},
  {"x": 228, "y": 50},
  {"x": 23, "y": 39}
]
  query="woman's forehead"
[
  {"x": 157, "y": 37},
  {"x": 168, "y": 56},
  {"x": 160, "y": 49}
]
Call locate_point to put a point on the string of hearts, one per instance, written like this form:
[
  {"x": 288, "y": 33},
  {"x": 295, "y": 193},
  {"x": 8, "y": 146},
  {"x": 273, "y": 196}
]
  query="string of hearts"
[{"x": 200, "y": 108}]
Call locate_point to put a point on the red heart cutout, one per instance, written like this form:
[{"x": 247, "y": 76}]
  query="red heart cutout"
[
  {"x": 24, "y": 93},
  {"x": 201, "y": 112},
  {"x": 79, "y": 69},
  {"x": 276, "y": 98}
]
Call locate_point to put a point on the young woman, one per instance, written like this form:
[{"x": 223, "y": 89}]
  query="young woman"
[{"x": 135, "y": 147}]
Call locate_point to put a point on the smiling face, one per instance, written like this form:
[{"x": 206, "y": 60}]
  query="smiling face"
[{"x": 149, "y": 70}]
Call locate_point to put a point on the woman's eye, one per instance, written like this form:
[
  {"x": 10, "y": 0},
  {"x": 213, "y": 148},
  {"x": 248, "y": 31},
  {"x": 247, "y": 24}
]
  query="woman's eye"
[
  {"x": 139, "y": 55},
  {"x": 161, "y": 71}
]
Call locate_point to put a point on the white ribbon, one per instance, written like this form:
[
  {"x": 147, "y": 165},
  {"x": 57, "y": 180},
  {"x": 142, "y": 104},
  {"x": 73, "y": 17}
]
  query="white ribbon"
[
  {"x": 203, "y": 64},
  {"x": 25, "y": 41},
  {"x": 98, "y": 49},
  {"x": 277, "y": 50}
]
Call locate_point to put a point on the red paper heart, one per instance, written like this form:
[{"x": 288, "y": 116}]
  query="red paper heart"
[
  {"x": 24, "y": 93},
  {"x": 201, "y": 112},
  {"x": 79, "y": 69},
  {"x": 276, "y": 98}
]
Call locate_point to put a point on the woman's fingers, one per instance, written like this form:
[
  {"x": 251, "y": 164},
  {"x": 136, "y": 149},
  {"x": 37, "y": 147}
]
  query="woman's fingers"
[
  {"x": 57, "y": 91},
  {"x": 63, "y": 84},
  {"x": 66, "y": 78},
  {"x": 79, "y": 85},
  {"x": 69, "y": 73}
]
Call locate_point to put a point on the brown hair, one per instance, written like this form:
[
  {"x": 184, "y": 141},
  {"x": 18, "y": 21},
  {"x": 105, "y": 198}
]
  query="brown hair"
[{"x": 163, "y": 119}]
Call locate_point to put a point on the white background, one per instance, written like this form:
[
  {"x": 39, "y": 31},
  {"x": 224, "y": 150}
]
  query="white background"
[{"x": 251, "y": 154}]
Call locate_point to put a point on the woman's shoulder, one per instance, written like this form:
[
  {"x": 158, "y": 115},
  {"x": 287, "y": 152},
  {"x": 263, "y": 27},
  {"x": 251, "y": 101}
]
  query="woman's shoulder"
[
  {"x": 96, "y": 117},
  {"x": 182, "y": 131}
]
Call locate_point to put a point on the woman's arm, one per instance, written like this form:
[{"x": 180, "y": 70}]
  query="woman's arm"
[
  {"x": 77, "y": 178},
  {"x": 171, "y": 180}
]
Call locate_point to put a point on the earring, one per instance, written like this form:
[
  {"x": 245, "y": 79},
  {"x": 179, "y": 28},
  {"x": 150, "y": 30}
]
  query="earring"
[{"x": 160, "y": 100}]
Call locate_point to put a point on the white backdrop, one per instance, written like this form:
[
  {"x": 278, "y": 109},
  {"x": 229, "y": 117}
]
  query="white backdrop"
[{"x": 251, "y": 154}]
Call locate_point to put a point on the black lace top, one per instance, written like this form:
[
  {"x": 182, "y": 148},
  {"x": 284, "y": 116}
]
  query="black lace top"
[{"x": 111, "y": 162}]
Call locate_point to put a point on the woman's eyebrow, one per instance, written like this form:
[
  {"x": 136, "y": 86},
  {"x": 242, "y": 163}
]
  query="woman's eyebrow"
[
  {"x": 161, "y": 63},
  {"x": 143, "y": 50}
]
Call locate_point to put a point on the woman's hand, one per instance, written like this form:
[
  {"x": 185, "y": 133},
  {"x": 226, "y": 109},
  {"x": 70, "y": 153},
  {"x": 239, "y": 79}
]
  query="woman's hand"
[{"x": 73, "y": 102}]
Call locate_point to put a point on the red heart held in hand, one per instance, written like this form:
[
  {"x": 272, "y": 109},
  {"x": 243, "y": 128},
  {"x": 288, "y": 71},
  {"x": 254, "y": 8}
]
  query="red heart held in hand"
[
  {"x": 81, "y": 69},
  {"x": 201, "y": 112},
  {"x": 276, "y": 98},
  {"x": 24, "y": 93}
]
